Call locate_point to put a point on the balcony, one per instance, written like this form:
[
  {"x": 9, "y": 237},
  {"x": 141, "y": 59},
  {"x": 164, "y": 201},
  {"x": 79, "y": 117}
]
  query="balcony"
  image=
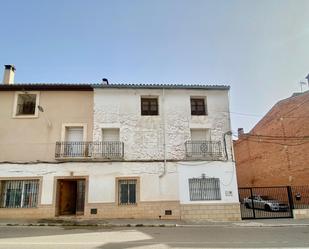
[
  {"x": 109, "y": 150},
  {"x": 204, "y": 150}
]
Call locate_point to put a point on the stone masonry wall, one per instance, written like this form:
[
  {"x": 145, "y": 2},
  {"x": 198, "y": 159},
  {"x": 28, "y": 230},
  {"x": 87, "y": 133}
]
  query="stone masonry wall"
[{"x": 211, "y": 212}]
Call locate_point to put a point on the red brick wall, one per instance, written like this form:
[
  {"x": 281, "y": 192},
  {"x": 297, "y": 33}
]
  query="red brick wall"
[{"x": 274, "y": 161}]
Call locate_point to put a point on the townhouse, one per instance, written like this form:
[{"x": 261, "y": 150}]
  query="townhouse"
[{"x": 116, "y": 151}]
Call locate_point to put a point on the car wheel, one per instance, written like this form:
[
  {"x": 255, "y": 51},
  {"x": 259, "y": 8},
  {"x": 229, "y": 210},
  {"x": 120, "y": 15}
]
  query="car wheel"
[{"x": 267, "y": 207}]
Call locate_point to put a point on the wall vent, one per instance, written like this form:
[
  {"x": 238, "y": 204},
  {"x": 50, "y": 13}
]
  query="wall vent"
[
  {"x": 93, "y": 211},
  {"x": 168, "y": 212}
]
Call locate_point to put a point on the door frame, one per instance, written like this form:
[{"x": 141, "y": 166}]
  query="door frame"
[{"x": 56, "y": 195}]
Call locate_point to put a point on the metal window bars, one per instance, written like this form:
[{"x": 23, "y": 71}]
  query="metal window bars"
[
  {"x": 202, "y": 189},
  {"x": 127, "y": 192},
  {"x": 19, "y": 193}
]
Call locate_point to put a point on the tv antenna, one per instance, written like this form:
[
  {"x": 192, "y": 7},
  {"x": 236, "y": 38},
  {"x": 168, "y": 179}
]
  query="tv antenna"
[{"x": 302, "y": 83}]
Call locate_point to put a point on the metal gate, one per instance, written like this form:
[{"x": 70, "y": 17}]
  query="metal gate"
[{"x": 266, "y": 202}]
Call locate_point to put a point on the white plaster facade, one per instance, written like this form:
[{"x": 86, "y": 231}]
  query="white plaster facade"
[
  {"x": 143, "y": 136},
  {"x": 101, "y": 183},
  {"x": 225, "y": 171},
  {"x": 101, "y": 189}
]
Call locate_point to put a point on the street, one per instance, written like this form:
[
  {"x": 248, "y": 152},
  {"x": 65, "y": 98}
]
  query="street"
[{"x": 153, "y": 237}]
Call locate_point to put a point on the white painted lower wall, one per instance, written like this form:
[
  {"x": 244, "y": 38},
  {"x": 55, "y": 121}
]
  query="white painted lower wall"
[
  {"x": 173, "y": 186},
  {"x": 225, "y": 171}
]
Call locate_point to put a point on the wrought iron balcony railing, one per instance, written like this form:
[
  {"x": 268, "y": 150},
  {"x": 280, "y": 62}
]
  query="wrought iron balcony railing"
[
  {"x": 207, "y": 150},
  {"x": 90, "y": 150}
]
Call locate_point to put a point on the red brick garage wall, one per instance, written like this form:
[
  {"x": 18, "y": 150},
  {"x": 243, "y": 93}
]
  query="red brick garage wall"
[{"x": 276, "y": 151}]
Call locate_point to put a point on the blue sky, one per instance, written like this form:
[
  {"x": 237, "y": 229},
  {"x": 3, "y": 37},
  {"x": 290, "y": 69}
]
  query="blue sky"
[{"x": 260, "y": 48}]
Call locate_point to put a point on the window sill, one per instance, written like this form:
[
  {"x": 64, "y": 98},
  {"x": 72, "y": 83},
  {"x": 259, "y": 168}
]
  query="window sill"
[
  {"x": 25, "y": 116},
  {"x": 9, "y": 208},
  {"x": 127, "y": 205}
]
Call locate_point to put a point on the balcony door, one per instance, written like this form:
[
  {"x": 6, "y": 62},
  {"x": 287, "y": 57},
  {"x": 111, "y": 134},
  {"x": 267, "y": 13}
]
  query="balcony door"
[
  {"x": 111, "y": 146},
  {"x": 200, "y": 135},
  {"x": 200, "y": 142},
  {"x": 74, "y": 139},
  {"x": 74, "y": 134}
]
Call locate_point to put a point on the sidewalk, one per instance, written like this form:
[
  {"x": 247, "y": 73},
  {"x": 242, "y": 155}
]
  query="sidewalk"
[{"x": 152, "y": 223}]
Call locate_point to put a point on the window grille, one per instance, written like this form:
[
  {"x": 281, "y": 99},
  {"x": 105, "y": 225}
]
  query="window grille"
[
  {"x": 127, "y": 192},
  {"x": 19, "y": 193},
  {"x": 204, "y": 189}
]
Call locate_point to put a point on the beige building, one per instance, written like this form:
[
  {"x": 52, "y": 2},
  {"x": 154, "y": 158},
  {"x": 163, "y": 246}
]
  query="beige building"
[{"x": 35, "y": 117}]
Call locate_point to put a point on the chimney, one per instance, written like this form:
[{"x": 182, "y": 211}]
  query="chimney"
[
  {"x": 240, "y": 132},
  {"x": 9, "y": 73},
  {"x": 105, "y": 81}
]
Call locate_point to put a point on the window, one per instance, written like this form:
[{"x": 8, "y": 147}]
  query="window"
[
  {"x": 111, "y": 145},
  {"x": 74, "y": 146},
  {"x": 110, "y": 134},
  {"x": 19, "y": 193},
  {"x": 198, "y": 106},
  {"x": 149, "y": 106},
  {"x": 74, "y": 132},
  {"x": 26, "y": 104},
  {"x": 73, "y": 141},
  {"x": 200, "y": 144},
  {"x": 202, "y": 189},
  {"x": 200, "y": 135},
  {"x": 127, "y": 191}
]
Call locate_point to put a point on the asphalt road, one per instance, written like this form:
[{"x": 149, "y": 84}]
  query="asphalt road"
[{"x": 153, "y": 237}]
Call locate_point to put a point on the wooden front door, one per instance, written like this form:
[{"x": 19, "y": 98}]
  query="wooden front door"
[{"x": 67, "y": 197}]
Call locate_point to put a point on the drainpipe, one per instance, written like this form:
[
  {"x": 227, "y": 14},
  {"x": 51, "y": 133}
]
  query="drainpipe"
[
  {"x": 225, "y": 145},
  {"x": 164, "y": 133}
]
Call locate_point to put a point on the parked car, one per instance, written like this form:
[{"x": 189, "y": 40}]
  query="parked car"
[{"x": 265, "y": 202}]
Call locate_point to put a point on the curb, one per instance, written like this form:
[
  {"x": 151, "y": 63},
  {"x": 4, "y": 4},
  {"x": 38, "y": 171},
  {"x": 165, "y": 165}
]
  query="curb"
[
  {"x": 272, "y": 225},
  {"x": 84, "y": 225},
  {"x": 108, "y": 225}
]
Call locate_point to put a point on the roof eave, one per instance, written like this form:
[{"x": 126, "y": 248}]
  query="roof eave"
[
  {"x": 132, "y": 86},
  {"x": 46, "y": 87}
]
